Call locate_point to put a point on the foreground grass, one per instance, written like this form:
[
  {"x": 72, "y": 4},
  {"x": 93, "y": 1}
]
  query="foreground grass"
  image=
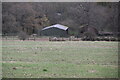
[{"x": 81, "y": 59}]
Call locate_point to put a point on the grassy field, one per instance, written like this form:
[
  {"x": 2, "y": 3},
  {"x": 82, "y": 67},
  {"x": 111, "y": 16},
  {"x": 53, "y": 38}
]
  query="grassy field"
[{"x": 69, "y": 59}]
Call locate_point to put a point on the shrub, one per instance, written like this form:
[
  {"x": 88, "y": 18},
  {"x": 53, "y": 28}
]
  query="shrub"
[{"x": 22, "y": 35}]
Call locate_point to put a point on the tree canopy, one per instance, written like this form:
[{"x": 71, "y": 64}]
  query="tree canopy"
[{"x": 31, "y": 17}]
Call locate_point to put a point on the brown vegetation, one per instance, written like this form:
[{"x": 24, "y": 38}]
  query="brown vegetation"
[{"x": 32, "y": 17}]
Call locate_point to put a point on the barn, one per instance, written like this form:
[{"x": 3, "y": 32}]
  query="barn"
[{"x": 56, "y": 30}]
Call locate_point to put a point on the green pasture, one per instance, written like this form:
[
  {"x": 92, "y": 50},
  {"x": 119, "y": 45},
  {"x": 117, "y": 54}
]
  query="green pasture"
[{"x": 67, "y": 59}]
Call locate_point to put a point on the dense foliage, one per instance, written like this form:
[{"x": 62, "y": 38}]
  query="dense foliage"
[{"x": 32, "y": 17}]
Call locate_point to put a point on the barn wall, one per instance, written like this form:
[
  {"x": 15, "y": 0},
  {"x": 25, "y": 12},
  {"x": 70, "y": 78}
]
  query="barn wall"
[{"x": 54, "y": 32}]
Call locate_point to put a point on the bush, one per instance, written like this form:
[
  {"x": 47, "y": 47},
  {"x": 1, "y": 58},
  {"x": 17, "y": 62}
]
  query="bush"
[
  {"x": 22, "y": 35},
  {"x": 89, "y": 36}
]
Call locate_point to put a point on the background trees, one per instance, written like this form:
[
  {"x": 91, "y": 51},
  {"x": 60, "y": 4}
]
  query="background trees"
[{"x": 31, "y": 17}]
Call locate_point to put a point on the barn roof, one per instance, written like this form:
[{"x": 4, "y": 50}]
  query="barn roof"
[{"x": 56, "y": 26}]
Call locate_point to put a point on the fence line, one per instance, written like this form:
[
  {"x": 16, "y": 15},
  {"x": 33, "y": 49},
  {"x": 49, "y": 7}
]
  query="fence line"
[{"x": 61, "y": 39}]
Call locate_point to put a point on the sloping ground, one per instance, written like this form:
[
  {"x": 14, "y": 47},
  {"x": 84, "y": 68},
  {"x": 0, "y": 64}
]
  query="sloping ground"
[{"x": 81, "y": 59}]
